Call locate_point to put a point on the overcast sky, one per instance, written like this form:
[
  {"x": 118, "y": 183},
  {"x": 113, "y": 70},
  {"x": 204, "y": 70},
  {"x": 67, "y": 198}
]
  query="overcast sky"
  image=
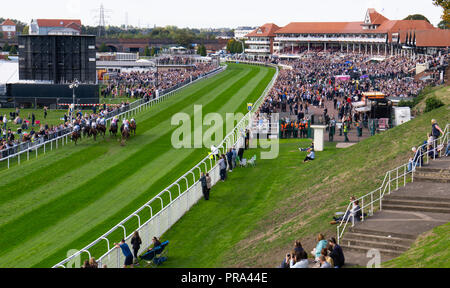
[{"x": 215, "y": 13}]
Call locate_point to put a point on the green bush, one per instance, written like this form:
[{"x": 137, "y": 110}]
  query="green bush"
[{"x": 433, "y": 103}]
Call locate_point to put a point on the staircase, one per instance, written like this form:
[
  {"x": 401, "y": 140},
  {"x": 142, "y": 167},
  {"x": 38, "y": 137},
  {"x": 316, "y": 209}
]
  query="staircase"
[
  {"x": 388, "y": 243},
  {"x": 406, "y": 213}
]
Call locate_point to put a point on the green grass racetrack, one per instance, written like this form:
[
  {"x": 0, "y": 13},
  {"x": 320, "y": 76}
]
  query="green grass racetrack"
[{"x": 69, "y": 197}]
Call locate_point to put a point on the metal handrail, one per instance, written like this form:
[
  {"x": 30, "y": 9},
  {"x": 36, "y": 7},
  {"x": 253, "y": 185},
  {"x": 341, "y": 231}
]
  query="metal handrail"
[
  {"x": 400, "y": 172},
  {"x": 244, "y": 122},
  {"x": 111, "y": 115}
]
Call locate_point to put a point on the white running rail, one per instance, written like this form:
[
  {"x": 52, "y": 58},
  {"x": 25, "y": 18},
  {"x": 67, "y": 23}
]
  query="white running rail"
[
  {"x": 180, "y": 200},
  {"x": 393, "y": 180},
  {"x": 132, "y": 109}
]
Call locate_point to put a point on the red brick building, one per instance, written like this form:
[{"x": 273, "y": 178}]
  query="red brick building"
[{"x": 8, "y": 29}]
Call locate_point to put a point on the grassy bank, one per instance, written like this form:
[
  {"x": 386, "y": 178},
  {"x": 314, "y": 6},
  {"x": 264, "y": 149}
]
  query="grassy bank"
[{"x": 431, "y": 250}]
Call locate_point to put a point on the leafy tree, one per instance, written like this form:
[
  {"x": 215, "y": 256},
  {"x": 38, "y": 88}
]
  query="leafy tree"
[
  {"x": 13, "y": 50},
  {"x": 234, "y": 46},
  {"x": 103, "y": 48},
  {"x": 153, "y": 51},
  {"x": 1, "y": 36},
  {"x": 26, "y": 30},
  {"x": 6, "y": 47},
  {"x": 444, "y": 25},
  {"x": 417, "y": 17},
  {"x": 201, "y": 50},
  {"x": 445, "y": 4},
  {"x": 147, "y": 51}
]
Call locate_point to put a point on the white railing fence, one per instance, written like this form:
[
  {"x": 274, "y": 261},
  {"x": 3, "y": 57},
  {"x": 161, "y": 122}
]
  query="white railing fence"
[
  {"x": 134, "y": 108},
  {"x": 393, "y": 180},
  {"x": 182, "y": 195}
]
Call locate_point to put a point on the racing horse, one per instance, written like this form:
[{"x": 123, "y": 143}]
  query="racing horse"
[
  {"x": 133, "y": 127},
  {"x": 86, "y": 131},
  {"x": 113, "y": 129},
  {"x": 93, "y": 132},
  {"x": 125, "y": 134},
  {"x": 101, "y": 130},
  {"x": 75, "y": 136}
]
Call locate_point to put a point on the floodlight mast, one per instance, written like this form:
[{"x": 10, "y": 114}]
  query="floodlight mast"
[{"x": 72, "y": 86}]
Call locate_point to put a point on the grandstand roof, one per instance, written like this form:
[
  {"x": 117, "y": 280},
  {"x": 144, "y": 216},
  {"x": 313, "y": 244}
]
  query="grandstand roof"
[
  {"x": 383, "y": 24},
  {"x": 433, "y": 38},
  {"x": 375, "y": 17},
  {"x": 267, "y": 30},
  {"x": 321, "y": 27}
]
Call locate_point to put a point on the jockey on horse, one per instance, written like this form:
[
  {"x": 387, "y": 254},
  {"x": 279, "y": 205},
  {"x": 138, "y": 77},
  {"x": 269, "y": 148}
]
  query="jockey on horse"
[
  {"x": 125, "y": 130},
  {"x": 101, "y": 124},
  {"x": 133, "y": 126},
  {"x": 93, "y": 130},
  {"x": 76, "y": 132},
  {"x": 113, "y": 128}
]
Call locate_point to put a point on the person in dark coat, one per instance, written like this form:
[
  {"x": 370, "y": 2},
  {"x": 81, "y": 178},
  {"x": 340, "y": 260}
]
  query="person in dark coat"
[
  {"x": 336, "y": 253},
  {"x": 204, "y": 183},
  {"x": 136, "y": 243}
]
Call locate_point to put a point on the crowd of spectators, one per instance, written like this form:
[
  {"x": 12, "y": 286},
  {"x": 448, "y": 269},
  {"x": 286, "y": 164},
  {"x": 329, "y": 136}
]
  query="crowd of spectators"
[
  {"x": 313, "y": 79},
  {"x": 326, "y": 254},
  {"x": 145, "y": 84}
]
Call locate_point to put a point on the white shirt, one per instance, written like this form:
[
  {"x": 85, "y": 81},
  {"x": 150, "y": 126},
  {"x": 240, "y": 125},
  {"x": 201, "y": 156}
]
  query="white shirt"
[{"x": 301, "y": 264}]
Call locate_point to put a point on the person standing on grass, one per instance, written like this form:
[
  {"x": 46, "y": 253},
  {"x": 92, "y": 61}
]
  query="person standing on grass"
[
  {"x": 136, "y": 243},
  {"x": 222, "y": 167},
  {"x": 332, "y": 130},
  {"x": 45, "y": 112},
  {"x": 234, "y": 151},
  {"x": 33, "y": 119},
  {"x": 5, "y": 120},
  {"x": 346, "y": 132},
  {"x": 208, "y": 184},
  {"x": 126, "y": 252},
  {"x": 204, "y": 186},
  {"x": 230, "y": 160}
]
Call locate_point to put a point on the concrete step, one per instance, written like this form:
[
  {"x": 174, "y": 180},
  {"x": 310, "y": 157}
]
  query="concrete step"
[
  {"x": 431, "y": 169},
  {"x": 430, "y": 179},
  {"x": 377, "y": 238},
  {"x": 395, "y": 207},
  {"x": 432, "y": 174},
  {"x": 382, "y": 233},
  {"x": 374, "y": 244},
  {"x": 386, "y": 252},
  {"x": 398, "y": 196},
  {"x": 415, "y": 203}
]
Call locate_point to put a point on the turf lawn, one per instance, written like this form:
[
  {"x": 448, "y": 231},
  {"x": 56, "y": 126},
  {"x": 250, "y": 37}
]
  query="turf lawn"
[
  {"x": 431, "y": 250},
  {"x": 253, "y": 219},
  {"x": 67, "y": 198}
]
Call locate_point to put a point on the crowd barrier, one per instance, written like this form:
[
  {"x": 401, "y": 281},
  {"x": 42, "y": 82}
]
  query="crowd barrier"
[
  {"x": 180, "y": 201},
  {"x": 130, "y": 110}
]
